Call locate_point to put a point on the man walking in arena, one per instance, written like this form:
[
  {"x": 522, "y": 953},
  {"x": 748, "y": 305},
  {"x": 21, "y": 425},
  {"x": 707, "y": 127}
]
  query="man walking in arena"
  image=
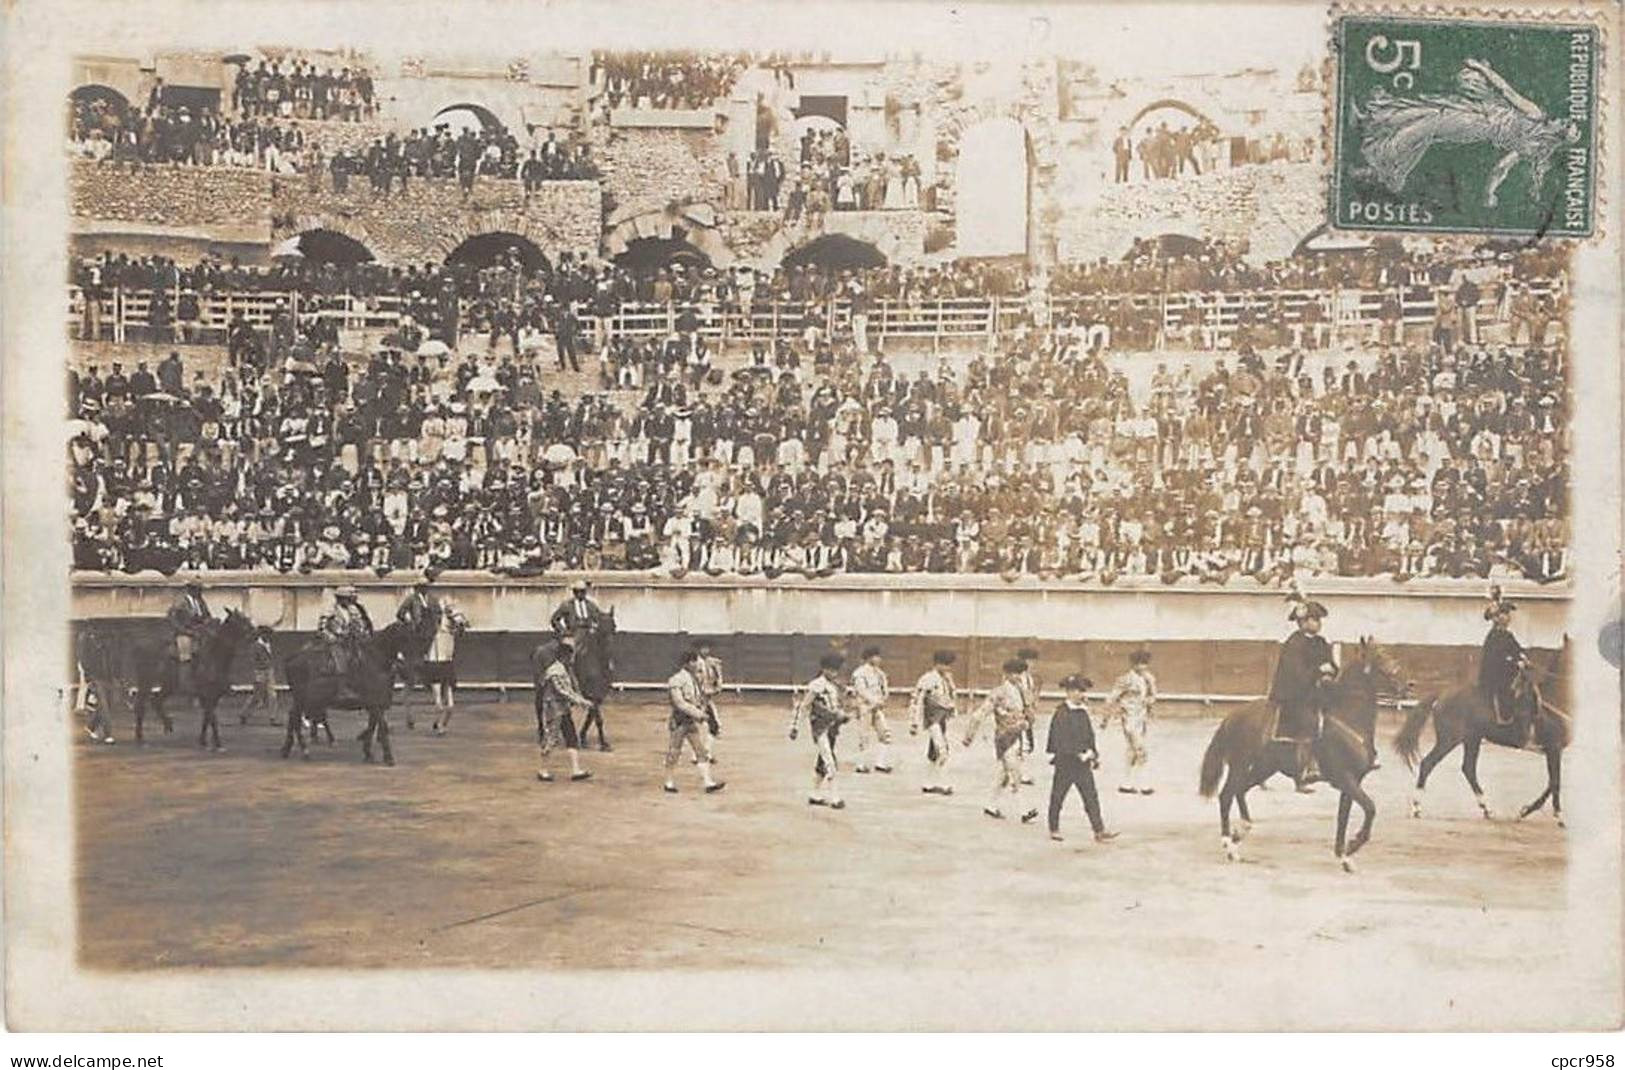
[
  {"x": 1029, "y": 697},
  {"x": 820, "y": 706},
  {"x": 1010, "y": 721},
  {"x": 1132, "y": 698},
  {"x": 687, "y": 722},
  {"x": 555, "y": 727},
  {"x": 869, "y": 689},
  {"x": 1074, "y": 755},
  {"x": 932, "y": 706},
  {"x": 708, "y": 673}
]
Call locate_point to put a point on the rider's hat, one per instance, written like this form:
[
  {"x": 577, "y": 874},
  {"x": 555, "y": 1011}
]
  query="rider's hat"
[
  {"x": 193, "y": 585},
  {"x": 578, "y": 585},
  {"x": 346, "y": 591},
  {"x": 1307, "y": 609}
]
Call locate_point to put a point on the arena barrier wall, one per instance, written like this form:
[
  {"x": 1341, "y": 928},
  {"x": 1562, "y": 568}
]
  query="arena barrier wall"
[{"x": 1209, "y": 643}]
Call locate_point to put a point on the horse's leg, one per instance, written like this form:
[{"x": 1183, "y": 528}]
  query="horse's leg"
[
  {"x": 1369, "y": 807},
  {"x": 140, "y": 710},
  {"x": 212, "y": 719},
  {"x": 1344, "y": 805},
  {"x": 383, "y": 736},
  {"x": 1554, "y": 773},
  {"x": 365, "y": 738},
  {"x": 1234, "y": 791},
  {"x": 1442, "y": 746},
  {"x": 1469, "y": 769}
]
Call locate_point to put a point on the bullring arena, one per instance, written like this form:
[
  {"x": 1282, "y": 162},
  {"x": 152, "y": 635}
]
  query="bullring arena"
[
  {"x": 457, "y": 857},
  {"x": 796, "y": 355}
]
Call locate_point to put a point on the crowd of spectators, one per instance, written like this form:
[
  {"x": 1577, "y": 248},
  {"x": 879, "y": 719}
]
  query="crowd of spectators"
[
  {"x": 298, "y": 88},
  {"x": 1198, "y": 148},
  {"x": 439, "y": 153},
  {"x": 175, "y": 134},
  {"x": 666, "y": 80},
  {"x": 1424, "y": 455},
  {"x": 830, "y": 177}
]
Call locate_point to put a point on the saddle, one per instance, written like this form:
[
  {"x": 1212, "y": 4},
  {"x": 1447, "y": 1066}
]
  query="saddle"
[{"x": 1278, "y": 733}]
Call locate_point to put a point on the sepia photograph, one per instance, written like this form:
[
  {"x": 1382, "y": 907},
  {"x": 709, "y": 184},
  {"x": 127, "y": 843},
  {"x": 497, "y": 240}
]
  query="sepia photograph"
[{"x": 874, "y": 517}]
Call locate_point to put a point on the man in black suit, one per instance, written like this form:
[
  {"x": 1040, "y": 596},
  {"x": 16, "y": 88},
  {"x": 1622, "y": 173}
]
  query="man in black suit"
[
  {"x": 1073, "y": 754},
  {"x": 577, "y": 613}
]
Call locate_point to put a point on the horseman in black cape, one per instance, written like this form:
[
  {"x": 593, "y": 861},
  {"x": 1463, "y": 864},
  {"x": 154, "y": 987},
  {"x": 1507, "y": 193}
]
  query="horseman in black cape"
[{"x": 1306, "y": 664}]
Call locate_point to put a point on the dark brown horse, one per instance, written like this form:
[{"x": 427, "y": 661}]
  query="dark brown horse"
[
  {"x": 1465, "y": 718},
  {"x": 1345, "y": 750},
  {"x": 157, "y": 674},
  {"x": 594, "y": 672},
  {"x": 368, "y": 684}
]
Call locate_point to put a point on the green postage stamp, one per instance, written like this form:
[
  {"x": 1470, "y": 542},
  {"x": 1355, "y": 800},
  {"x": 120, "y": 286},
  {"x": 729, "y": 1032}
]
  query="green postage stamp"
[{"x": 1465, "y": 125}]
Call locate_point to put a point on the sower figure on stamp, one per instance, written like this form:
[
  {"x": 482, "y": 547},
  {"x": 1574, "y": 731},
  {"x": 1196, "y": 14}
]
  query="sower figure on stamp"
[
  {"x": 1306, "y": 663},
  {"x": 1500, "y": 660},
  {"x": 932, "y": 706},
  {"x": 708, "y": 672},
  {"x": 1010, "y": 722},
  {"x": 190, "y": 617},
  {"x": 687, "y": 722},
  {"x": 1132, "y": 698},
  {"x": 556, "y": 693},
  {"x": 820, "y": 705},
  {"x": 1029, "y": 695},
  {"x": 1074, "y": 755},
  {"x": 869, "y": 690}
]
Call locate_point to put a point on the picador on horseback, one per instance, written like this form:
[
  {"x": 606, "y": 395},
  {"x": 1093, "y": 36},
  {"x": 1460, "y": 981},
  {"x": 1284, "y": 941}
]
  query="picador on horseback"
[
  {"x": 1305, "y": 665},
  {"x": 190, "y": 618},
  {"x": 577, "y": 613},
  {"x": 1500, "y": 661},
  {"x": 344, "y": 628}
]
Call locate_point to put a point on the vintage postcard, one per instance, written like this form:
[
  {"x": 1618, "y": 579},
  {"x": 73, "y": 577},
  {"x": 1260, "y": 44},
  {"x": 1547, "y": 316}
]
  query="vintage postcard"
[{"x": 886, "y": 516}]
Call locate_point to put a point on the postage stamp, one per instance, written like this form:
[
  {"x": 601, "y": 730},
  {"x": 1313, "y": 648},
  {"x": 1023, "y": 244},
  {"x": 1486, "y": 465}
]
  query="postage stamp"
[{"x": 1465, "y": 125}]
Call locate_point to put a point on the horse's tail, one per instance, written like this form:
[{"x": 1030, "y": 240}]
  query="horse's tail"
[
  {"x": 1409, "y": 741},
  {"x": 1213, "y": 760}
]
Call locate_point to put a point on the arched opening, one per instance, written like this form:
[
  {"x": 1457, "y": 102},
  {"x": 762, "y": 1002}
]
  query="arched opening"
[
  {"x": 993, "y": 187},
  {"x": 97, "y": 107},
  {"x": 475, "y": 117},
  {"x": 323, "y": 246},
  {"x": 645, "y": 255},
  {"x": 1170, "y": 137},
  {"x": 499, "y": 247},
  {"x": 835, "y": 252},
  {"x": 1167, "y": 246}
]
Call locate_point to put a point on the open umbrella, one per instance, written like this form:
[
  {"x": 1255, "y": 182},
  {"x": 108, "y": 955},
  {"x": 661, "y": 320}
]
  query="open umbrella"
[
  {"x": 559, "y": 453},
  {"x": 484, "y": 384},
  {"x": 434, "y": 347},
  {"x": 159, "y": 395}
]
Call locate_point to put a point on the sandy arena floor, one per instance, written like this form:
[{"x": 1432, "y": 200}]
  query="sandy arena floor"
[{"x": 458, "y": 857}]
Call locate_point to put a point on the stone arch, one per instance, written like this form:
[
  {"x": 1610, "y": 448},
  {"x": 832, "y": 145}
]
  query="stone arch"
[
  {"x": 693, "y": 224},
  {"x": 114, "y": 101},
  {"x": 291, "y": 227},
  {"x": 642, "y": 254},
  {"x": 487, "y": 119},
  {"x": 836, "y": 251},
  {"x": 1168, "y": 102},
  {"x": 481, "y": 250},
  {"x": 323, "y": 245}
]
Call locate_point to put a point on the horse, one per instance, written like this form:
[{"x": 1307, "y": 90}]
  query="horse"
[
  {"x": 369, "y": 685},
  {"x": 1345, "y": 749},
  {"x": 157, "y": 672},
  {"x": 1464, "y": 717},
  {"x": 594, "y": 672}
]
